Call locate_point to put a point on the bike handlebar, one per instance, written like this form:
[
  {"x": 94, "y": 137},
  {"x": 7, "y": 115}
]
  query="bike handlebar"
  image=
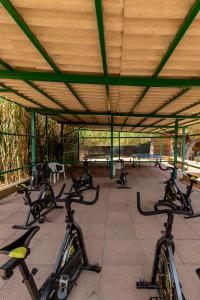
[
  {"x": 160, "y": 211},
  {"x": 78, "y": 198},
  {"x": 167, "y": 168}
]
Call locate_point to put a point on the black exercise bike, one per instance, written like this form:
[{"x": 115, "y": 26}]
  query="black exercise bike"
[
  {"x": 40, "y": 175},
  {"x": 84, "y": 182},
  {"x": 164, "y": 276},
  {"x": 174, "y": 197},
  {"x": 37, "y": 209},
  {"x": 123, "y": 176},
  {"x": 71, "y": 260}
]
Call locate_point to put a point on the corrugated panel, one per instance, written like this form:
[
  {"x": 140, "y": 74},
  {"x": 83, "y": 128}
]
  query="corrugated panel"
[
  {"x": 137, "y": 35},
  {"x": 59, "y": 92},
  {"x": 187, "y": 99},
  {"x": 94, "y": 96},
  {"x": 16, "y": 49},
  {"x": 18, "y": 99},
  {"x": 155, "y": 98},
  {"x": 185, "y": 59},
  {"x": 70, "y": 117},
  {"x": 66, "y": 31},
  {"x": 149, "y": 28},
  {"x": 123, "y": 97},
  {"x": 30, "y": 92}
]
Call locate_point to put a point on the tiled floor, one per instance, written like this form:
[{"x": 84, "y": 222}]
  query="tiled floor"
[{"x": 116, "y": 236}]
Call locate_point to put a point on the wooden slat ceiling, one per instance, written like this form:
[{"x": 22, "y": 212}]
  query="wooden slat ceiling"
[{"x": 137, "y": 35}]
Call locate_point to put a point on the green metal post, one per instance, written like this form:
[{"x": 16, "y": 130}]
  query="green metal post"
[
  {"x": 78, "y": 147},
  {"x": 46, "y": 135},
  {"x": 176, "y": 145},
  {"x": 33, "y": 141},
  {"x": 183, "y": 148},
  {"x": 161, "y": 147},
  {"x": 119, "y": 146},
  {"x": 111, "y": 148},
  {"x": 61, "y": 140}
]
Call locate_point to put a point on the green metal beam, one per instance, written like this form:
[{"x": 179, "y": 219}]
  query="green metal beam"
[
  {"x": 182, "y": 109},
  {"x": 34, "y": 86},
  {"x": 21, "y": 95},
  {"x": 108, "y": 124},
  {"x": 117, "y": 114},
  {"x": 189, "y": 123},
  {"x": 33, "y": 141},
  {"x": 186, "y": 24},
  {"x": 99, "y": 79},
  {"x": 21, "y": 105},
  {"x": 178, "y": 95},
  {"x": 161, "y": 147},
  {"x": 46, "y": 139},
  {"x": 24, "y": 27},
  {"x": 183, "y": 148},
  {"x": 111, "y": 147},
  {"x": 176, "y": 113},
  {"x": 61, "y": 139},
  {"x": 176, "y": 146},
  {"x": 99, "y": 16},
  {"x": 14, "y": 134},
  {"x": 3, "y": 90},
  {"x": 182, "y": 30},
  {"x": 128, "y": 137}
]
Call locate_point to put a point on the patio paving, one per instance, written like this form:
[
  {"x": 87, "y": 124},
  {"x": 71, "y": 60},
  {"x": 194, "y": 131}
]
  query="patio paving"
[{"x": 117, "y": 237}]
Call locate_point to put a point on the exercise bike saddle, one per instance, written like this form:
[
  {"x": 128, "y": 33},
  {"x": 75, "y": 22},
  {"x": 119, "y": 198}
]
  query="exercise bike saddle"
[
  {"x": 19, "y": 248},
  {"x": 192, "y": 178},
  {"x": 21, "y": 188}
]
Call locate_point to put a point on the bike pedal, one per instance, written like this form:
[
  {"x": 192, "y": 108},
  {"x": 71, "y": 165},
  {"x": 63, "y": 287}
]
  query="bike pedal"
[
  {"x": 34, "y": 271},
  {"x": 41, "y": 220}
]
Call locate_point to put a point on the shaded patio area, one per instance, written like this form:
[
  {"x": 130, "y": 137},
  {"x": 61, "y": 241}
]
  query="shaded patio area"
[{"x": 116, "y": 236}]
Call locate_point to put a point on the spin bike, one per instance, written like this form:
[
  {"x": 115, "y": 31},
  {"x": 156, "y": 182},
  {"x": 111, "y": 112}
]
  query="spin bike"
[
  {"x": 71, "y": 261},
  {"x": 123, "y": 176},
  {"x": 174, "y": 197},
  {"x": 84, "y": 182},
  {"x": 164, "y": 276},
  {"x": 37, "y": 209},
  {"x": 39, "y": 176}
]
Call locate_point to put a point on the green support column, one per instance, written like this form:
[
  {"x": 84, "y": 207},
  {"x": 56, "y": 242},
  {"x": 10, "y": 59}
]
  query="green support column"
[
  {"x": 161, "y": 148},
  {"x": 33, "y": 141},
  {"x": 78, "y": 147},
  {"x": 183, "y": 148},
  {"x": 119, "y": 146},
  {"x": 61, "y": 141},
  {"x": 111, "y": 148},
  {"x": 46, "y": 142},
  {"x": 176, "y": 145}
]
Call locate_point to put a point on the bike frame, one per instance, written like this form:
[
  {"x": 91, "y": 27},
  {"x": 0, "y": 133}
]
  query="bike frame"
[
  {"x": 44, "y": 291},
  {"x": 42, "y": 208},
  {"x": 164, "y": 249},
  {"x": 169, "y": 252}
]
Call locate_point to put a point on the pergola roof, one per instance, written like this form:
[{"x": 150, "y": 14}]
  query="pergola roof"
[{"x": 85, "y": 60}]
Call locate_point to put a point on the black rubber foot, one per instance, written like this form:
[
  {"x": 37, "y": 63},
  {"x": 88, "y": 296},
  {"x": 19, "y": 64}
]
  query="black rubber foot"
[
  {"x": 21, "y": 227},
  {"x": 124, "y": 187},
  {"x": 198, "y": 272},
  {"x": 192, "y": 216},
  {"x": 118, "y": 182},
  {"x": 145, "y": 285},
  {"x": 58, "y": 206},
  {"x": 94, "y": 268},
  {"x": 41, "y": 220}
]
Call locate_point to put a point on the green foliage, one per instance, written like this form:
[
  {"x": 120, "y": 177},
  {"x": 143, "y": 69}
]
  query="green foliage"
[
  {"x": 102, "y": 138},
  {"x": 53, "y": 137},
  {"x": 193, "y": 130},
  {"x": 14, "y": 150}
]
